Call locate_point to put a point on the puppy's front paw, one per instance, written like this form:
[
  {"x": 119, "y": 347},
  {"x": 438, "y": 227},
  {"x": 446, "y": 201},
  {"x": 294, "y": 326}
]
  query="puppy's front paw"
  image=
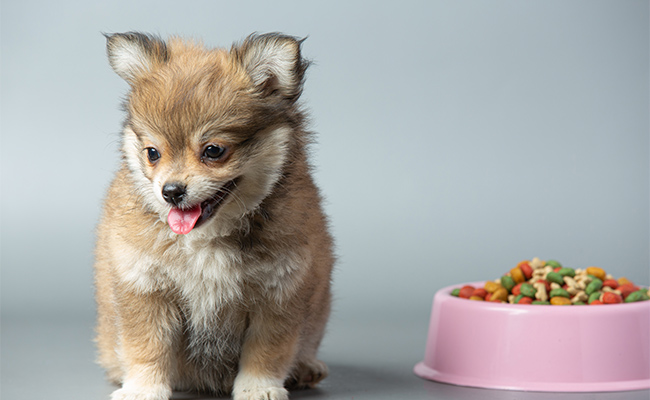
[
  {"x": 142, "y": 393},
  {"x": 271, "y": 393},
  {"x": 307, "y": 374}
]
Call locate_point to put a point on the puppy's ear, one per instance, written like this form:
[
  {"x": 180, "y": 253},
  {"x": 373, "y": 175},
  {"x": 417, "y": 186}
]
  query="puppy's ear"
[
  {"x": 274, "y": 64},
  {"x": 133, "y": 54}
]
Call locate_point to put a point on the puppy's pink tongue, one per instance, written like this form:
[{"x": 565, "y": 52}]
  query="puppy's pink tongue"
[{"x": 183, "y": 221}]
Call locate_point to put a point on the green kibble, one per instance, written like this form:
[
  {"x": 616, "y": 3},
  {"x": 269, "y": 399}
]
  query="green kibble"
[
  {"x": 542, "y": 303},
  {"x": 527, "y": 290},
  {"x": 455, "y": 292},
  {"x": 507, "y": 282},
  {"x": 567, "y": 272},
  {"x": 559, "y": 292},
  {"x": 519, "y": 297},
  {"x": 554, "y": 264},
  {"x": 579, "y": 303},
  {"x": 639, "y": 295},
  {"x": 555, "y": 277},
  {"x": 594, "y": 286},
  {"x": 593, "y": 297}
]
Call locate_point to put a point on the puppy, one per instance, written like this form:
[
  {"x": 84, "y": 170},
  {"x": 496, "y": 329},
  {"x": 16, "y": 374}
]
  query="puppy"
[{"x": 213, "y": 258}]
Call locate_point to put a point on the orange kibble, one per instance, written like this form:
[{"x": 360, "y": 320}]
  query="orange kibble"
[
  {"x": 478, "y": 298},
  {"x": 501, "y": 294},
  {"x": 623, "y": 280},
  {"x": 491, "y": 287},
  {"x": 596, "y": 303},
  {"x": 597, "y": 272},
  {"x": 560, "y": 301},
  {"x": 517, "y": 275}
]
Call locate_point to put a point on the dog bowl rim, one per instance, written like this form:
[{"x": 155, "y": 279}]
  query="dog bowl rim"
[{"x": 545, "y": 309}]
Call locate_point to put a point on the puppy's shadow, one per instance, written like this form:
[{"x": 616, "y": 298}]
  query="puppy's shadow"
[
  {"x": 350, "y": 381},
  {"x": 344, "y": 381},
  {"x": 196, "y": 396},
  {"x": 294, "y": 394}
]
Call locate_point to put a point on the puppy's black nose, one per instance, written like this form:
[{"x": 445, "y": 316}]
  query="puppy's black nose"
[{"x": 174, "y": 193}]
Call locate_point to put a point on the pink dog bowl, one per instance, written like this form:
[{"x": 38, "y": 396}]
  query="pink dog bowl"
[{"x": 537, "y": 347}]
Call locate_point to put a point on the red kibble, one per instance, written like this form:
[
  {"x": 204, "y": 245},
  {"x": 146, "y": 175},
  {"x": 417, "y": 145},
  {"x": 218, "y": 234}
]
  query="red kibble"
[
  {"x": 527, "y": 270},
  {"x": 517, "y": 289},
  {"x": 466, "y": 292},
  {"x": 596, "y": 303},
  {"x": 525, "y": 300},
  {"x": 480, "y": 292},
  {"x": 610, "y": 283},
  {"x": 626, "y": 289},
  {"x": 557, "y": 269},
  {"x": 612, "y": 298},
  {"x": 488, "y": 296}
]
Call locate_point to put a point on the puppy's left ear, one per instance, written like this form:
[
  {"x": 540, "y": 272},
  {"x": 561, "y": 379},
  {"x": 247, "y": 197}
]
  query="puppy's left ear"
[{"x": 274, "y": 64}]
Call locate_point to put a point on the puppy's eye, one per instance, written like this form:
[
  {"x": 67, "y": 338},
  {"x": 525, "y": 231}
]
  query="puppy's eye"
[
  {"x": 152, "y": 154},
  {"x": 214, "y": 152}
]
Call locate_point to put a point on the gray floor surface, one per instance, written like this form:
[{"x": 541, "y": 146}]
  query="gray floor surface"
[{"x": 368, "y": 360}]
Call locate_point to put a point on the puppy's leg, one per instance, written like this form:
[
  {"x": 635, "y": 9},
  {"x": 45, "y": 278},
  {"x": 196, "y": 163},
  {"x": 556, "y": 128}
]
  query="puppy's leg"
[
  {"x": 148, "y": 329},
  {"x": 308, "y": 371},
  {"x": 267, "y": 355},
  {"x": 106, "y": 324}
]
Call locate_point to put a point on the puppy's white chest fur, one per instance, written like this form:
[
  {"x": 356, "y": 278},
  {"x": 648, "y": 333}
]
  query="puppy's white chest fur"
[
  {"x": 209, "y": 272},
  {"x": 209, "y": 276}
]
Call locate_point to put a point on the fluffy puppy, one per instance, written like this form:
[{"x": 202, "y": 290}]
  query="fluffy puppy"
[{"x": 213, "y": 258}]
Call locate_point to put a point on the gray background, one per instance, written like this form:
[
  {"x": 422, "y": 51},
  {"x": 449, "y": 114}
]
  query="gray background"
[{"x": 455, "y": 138}]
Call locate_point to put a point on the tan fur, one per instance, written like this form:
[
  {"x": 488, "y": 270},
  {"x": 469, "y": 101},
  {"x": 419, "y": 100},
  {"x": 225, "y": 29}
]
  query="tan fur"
[{"x": 240, "y": 303}]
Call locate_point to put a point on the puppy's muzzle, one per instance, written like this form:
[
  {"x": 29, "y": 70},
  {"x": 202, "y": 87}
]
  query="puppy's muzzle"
[{"x": 174, "y": 193}]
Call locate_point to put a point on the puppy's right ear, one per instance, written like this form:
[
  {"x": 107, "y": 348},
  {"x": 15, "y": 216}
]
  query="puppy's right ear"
[{"x": 134, "y": 54}]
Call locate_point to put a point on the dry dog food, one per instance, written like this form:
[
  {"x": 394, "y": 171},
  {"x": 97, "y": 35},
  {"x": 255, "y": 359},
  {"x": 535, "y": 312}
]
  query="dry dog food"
[{"x": 548, "y": 282}]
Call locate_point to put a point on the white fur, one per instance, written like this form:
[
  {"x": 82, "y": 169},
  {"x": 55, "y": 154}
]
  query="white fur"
[
  {"x": 264, "y": 169},
  {"x": 134, "y": 391},
  {"x": 275, "y": 59},
  {"x": 208, "y": 276},
  {"x": 249, "y": 387},
  {"x": 143, "y": 383},
  {"x": 131, "y": 146},
  {"x": 151, "y": 192},
  {"x": 138, "y": 270},
  {"x": 129, "y": 59}
]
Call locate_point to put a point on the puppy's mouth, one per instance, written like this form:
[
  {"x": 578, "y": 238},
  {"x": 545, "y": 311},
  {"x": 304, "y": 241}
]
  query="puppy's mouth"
[{"x": 183, "y": 220}]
